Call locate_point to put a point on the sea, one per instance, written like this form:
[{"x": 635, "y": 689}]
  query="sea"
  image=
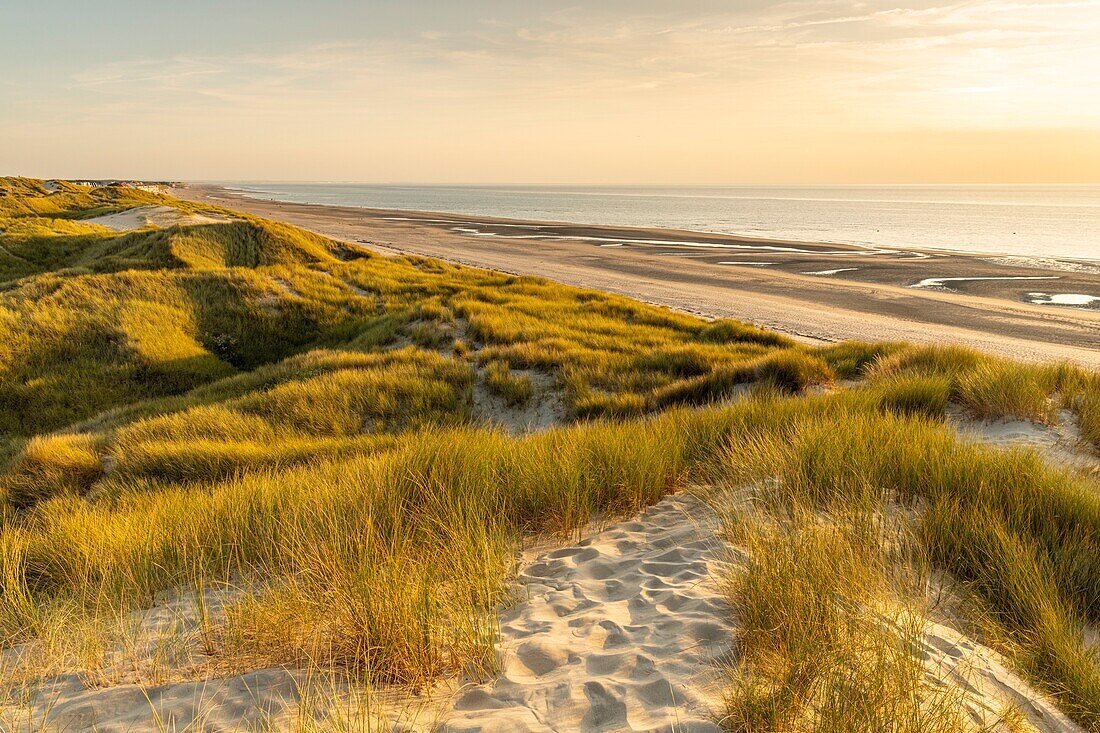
[{"x": 1058, "y": 221}]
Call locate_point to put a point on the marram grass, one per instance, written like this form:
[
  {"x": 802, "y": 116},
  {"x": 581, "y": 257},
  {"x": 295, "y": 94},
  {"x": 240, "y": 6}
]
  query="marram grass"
[{"x": 243, "y": 402}]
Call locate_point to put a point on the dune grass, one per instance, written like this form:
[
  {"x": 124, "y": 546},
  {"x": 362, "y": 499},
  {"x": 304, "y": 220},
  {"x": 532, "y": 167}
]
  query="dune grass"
[
  {"x": 516, "y": 389},
  {"x": 927, "y": 378},
  {"x": 92, "y": 319},
  {"x": 244, "y": 403},
  {"x": 831, "y": 611},
  {"x": 391, "y": 562},
  {"x": 413, "y": 544},
  {"x": 1088, "y": 411},
  {"x": 1020, "y": 536}
]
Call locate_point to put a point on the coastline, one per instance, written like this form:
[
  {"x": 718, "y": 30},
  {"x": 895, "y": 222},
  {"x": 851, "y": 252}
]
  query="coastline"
[
  {"x": 1029, "y": 221},
  {"x": 815, "y": 292}
]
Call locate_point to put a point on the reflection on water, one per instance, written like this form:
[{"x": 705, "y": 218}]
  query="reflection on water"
[
  {"x": 1034, "y": 221},
  {"x": 1075, "y": 299}
]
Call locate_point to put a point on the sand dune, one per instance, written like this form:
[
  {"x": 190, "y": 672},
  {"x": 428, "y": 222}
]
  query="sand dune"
[
  {"x": 144, "y": 216},
  {"x": 619, "y": 633},
  {"x": 627, "y": 630}
]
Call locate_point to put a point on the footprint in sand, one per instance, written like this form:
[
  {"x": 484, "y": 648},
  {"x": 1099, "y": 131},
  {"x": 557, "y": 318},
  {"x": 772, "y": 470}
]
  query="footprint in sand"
[{"x": 619, "y": 633}]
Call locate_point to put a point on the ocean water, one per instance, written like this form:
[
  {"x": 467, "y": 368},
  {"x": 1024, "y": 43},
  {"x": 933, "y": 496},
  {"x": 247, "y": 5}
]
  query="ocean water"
[{"x": 1033, "y": 221}]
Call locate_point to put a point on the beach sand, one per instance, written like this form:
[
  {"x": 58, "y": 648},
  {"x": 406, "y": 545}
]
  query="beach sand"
[{"x": 817, "y": 293}]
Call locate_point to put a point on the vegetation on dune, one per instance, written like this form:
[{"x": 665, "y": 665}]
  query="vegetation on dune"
[
  {"x": 1020, "y": 536},
  {"x": 831, "y": 613},
  {"x": 27, "y": 197},
  {"x": 1088, "y": 412},
  {"x": 245, "y": 403},
  {"x": 98, "y": 320},
  {"x": 55, "y": 465},
  {"x": 516, "y": 389},
  {"x": 439, "y": 510}
]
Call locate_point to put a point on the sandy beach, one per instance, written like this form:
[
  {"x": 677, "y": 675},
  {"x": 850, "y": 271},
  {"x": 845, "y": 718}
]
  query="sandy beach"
[{"x": 814, "y": 292}]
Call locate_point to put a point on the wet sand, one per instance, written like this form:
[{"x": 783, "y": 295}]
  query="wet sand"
[{"x": 815, "y": 292}]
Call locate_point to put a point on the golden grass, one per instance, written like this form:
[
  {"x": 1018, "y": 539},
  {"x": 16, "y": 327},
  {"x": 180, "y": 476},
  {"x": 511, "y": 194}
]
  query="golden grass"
[
  {"x": 516, "y": 389},
  {"x": 55, "y": 465},
  {"x": 158, "y": 312},
  {"x": 245, "y": 403},
  {"x": 1019, "y": 535},
  {"x": 390, "y": 563},
  {"x": 831, "y": 611},
  {"x": 919, "y": 377}
]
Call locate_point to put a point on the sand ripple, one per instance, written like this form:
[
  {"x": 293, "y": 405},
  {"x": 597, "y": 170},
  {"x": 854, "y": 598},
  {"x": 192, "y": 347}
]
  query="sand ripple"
[{"x": 618, "y": 633}]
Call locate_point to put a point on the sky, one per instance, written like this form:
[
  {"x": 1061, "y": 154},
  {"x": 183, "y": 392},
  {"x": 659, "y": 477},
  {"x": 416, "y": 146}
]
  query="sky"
[{"x": 548, "y": 92}]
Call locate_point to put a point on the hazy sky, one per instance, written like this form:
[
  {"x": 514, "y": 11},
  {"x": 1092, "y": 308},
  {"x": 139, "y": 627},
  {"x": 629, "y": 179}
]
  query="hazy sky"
[{"x": 541, "y": 91}]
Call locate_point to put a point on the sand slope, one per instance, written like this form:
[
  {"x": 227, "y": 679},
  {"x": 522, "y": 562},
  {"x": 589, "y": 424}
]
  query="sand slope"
[
  {"x": 144, "y": 216},
  {"x": 988, "y": 689},
  {"x": 619, "y": 633},
  {"x": 1060, "y": 444}
]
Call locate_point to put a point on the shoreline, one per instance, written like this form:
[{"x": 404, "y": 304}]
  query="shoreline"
[
  {"x": 425, "y": 215},
  {"x": 931, "y": 248},
  {"x": 818, "y": 292}
]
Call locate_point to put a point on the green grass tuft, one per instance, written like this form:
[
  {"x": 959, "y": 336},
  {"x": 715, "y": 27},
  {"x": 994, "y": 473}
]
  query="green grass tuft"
[
  {"x": 516, "y": 389},
  {"x": 914, "y": 395}
]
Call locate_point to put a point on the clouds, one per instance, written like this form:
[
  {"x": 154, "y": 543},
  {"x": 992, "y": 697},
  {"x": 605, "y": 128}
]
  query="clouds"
[
  {"x": 780, "y": 72},
  {"x": 989, "y": 45}
]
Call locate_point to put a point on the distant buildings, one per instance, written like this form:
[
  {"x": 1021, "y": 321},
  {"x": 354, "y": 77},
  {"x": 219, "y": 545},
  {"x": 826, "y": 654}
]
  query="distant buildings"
[{"x": 150, "y": 186}]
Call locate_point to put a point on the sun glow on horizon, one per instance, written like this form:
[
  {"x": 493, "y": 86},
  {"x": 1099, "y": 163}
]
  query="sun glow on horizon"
[{"x": 654, "y": 92}]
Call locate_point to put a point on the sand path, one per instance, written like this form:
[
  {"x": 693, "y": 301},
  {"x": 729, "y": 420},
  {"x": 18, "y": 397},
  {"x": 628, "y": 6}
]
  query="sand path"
[
  {"x": 987, "y": 686},
  {"x": 618, "y": 633},
  {"x": 628, "y": 631}
]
